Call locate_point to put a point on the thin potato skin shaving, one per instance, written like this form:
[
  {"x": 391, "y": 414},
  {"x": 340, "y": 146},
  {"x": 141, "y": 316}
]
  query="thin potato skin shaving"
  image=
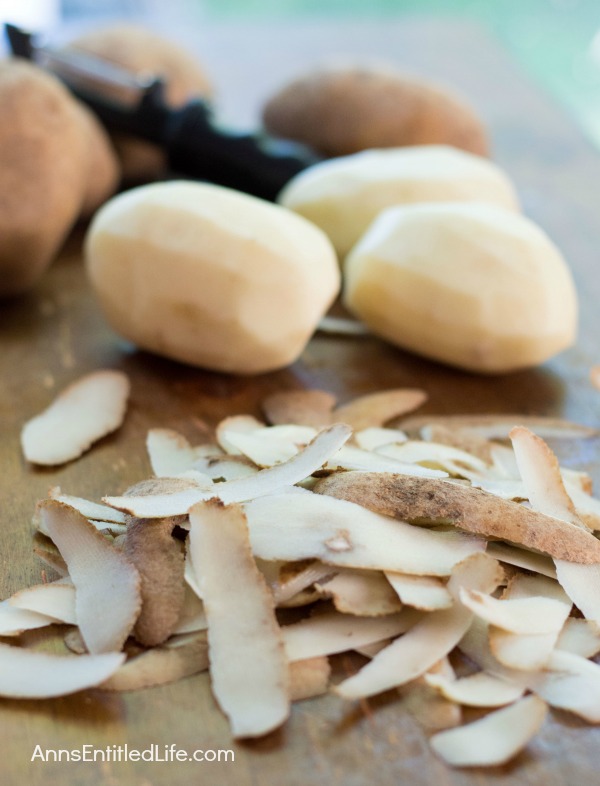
[
  {"x": 429, "y": 640},
  {"x": 56, "y": 599},
  {"x": 494, "y": 739},
  {"x": 421, "y": 592},
  {"x": 309, "y": 678},
  {"x": 540, "y": 472},
  {"x": 87, "y": 410},
  {"x": 302, "y": 407},
  {"x": 331, "y": 632},
  {"x": 430, "y": 500},
  {"x": 477, "y": 690},
  {"x": 102, "y": 576},
  {"x": 364, "y": 593},
  {"x": 248, "y": 666},
  {"x": 161, "y": 665},
  {"x": 159, "y": 559},
  {"x": 25, "y": 674},
  {"x": 13, "y": 620},
  {"x": 375, "y": 409},
  {"x": 314, "y": 455},
  {"x": 341, "y": 533},
  {"x": 539, "y": 466},
  {"x": 568, "y": 682},
  {"x": 498, "y": 426}
]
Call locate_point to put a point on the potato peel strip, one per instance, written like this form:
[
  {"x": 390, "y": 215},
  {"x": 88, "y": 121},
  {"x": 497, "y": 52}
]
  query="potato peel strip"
[
  {"x": 107, "y": 586},
  {"x": 580, "y": 582},
  {"x": 375, "y": 409},
  {"x": 302, "y": 407},
  {"x": 309, "y": 678},
  {"x": 528, "y": 650},
  {"x": 581, "y": 637},
  {"x": 498, "y": 426},
  {"x": 170, "y": 453},
  {"x": 13, "y": 620},
  {"x": 248, "y": 667},
  {"x": 540, "y": 472},
  {"x": 429, "y": 640},
  {"x": 479, "y": 690},
  {"x": 518, "y": 615},
  {"x": 494, "y": 739},
  {"x": 267, "y": 481},
  {"x": 328, "y": 633},
  {"x": 159, "y": 560},
  {"x": 56, "y": 600},
  {"x": 25, "y": 674},
  {"x": 568, "y": 682},
  {"x": 421, "y": 592},
  {"x": 307, "y": 525},
  {"x": 427, "y": 499},
  {"x": 362, "y": 593},
  {"x": 172, "y": 661},
  {"x": 82, "y": 413}
]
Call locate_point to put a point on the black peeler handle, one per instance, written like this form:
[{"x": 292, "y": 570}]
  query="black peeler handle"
[
  {"x": 197, "y": 147},
  {"x": 259, "y": 165}
]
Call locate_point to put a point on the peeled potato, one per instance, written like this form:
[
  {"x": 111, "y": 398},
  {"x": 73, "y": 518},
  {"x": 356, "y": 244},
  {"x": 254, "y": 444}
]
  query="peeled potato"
[
  {"x": 344, "y": 195},
  {"x": 210, "y": 276},
  {"x": 340, "y": 111},
  {"x": 142, "y": 51},
  {"x": 43, "y": 166},
  {"x": 468, "y": 284}
]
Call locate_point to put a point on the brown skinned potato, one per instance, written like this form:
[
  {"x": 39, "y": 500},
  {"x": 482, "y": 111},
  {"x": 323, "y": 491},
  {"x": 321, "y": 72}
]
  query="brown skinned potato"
[
  {"x": 340, "y": 111},
  {"x": 43, "y": 155},
  {"x": 103, "y": 169},
  {"x": 141, "y": 51}
]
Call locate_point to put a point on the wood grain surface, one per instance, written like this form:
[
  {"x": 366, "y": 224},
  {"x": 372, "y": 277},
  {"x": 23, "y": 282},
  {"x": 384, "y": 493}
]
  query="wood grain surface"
[{"x": 56, "y": 333}]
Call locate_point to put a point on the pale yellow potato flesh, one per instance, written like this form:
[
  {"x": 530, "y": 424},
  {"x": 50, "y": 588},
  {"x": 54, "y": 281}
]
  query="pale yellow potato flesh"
[
  {"x": 344, "y": 195},
  {"x": 210, "y": 276},
  {"x": 471, "y": 285}
]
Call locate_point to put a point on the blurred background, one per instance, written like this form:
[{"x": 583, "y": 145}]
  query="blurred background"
[{"x": 556, "y": 42}]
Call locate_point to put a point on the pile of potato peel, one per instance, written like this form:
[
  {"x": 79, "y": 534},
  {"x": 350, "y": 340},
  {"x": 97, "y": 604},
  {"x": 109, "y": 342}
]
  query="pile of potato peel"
[{"x": 385, "y": 542}]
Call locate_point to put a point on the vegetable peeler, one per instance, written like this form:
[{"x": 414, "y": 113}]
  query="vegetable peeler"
[{"x": 195, "y": 144}]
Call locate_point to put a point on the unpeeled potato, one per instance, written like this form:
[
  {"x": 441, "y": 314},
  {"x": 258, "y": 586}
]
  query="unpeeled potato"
[
  {"x": 339, "y": 111},
  {"x": 103, "y": 170},
  {"x": 143, "y": 52},
  {"x": 43, "y": 171},
  {"x": 469, "y": 284},
  {"x": 210, "y": 276}
]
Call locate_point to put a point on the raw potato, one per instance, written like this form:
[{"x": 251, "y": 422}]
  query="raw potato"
[
  {"x": 470, "y": 285},
  {"x": 210, "y": 276},
  {"x": 43, "y": 163},
  {"x": 103, "y": 170},
  {"x": 342, "y": 110},
  {"x": 345, "y": 195},
  {"x": 143, "y": 52}
]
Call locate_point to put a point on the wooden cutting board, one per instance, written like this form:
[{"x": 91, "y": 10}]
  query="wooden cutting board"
[{"x": 56, "y": 333}]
